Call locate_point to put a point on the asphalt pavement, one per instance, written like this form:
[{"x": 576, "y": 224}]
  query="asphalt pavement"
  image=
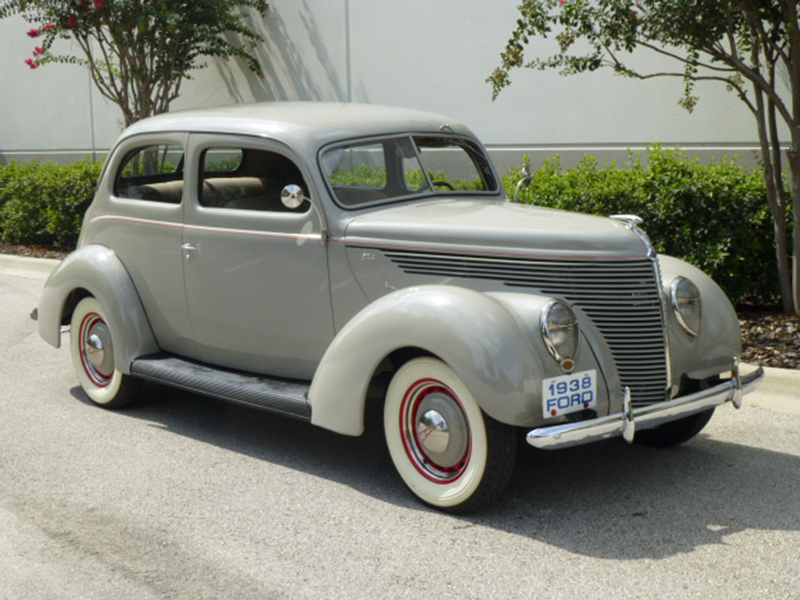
[{"x": 183, "y": 497}]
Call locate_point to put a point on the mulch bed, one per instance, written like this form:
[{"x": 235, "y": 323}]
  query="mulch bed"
[
  {"x": 32, "y": 251},
  {"x": 771, "y": 339}
]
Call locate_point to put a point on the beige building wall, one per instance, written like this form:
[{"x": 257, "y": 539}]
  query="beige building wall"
[{"x": 433, "y": 55}]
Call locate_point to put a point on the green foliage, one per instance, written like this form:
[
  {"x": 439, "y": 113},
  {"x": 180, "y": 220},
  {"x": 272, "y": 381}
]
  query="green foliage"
[
  {"x": 44, "y": 204},
  {"x": 592, "y": 34},
  {"x": 713, "y": 216},
  {"x": 361, "y": 175},
  {"x": 750, "y": 47},
  {"x": 140, "y": 51},
  {"x": 374, "y": 176}
]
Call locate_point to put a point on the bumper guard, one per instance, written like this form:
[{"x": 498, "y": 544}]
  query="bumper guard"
[{"x": 630, "y": 419}]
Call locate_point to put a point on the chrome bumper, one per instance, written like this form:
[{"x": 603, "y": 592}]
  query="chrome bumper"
[{"x": 647, "y": 417}]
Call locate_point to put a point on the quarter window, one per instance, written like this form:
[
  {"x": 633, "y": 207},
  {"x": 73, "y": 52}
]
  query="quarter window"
[{"x": 153, "y": 173}]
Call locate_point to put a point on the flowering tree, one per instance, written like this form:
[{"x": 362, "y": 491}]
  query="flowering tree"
[
  {"x": 747, "y": 45},
  {"x": 139, "y": 52}
]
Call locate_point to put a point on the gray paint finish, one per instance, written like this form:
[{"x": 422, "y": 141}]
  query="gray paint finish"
[{"x": 327, "y": 294}]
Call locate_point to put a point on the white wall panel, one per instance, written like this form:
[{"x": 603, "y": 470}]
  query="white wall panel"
[{"x": 434, "y": 55}]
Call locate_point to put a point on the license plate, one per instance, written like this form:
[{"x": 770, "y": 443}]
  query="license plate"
[{"x": 569, "y": 393}]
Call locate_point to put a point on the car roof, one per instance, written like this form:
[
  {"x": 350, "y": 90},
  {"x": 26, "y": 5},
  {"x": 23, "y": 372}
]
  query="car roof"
[{"x": 307, "y": 124}]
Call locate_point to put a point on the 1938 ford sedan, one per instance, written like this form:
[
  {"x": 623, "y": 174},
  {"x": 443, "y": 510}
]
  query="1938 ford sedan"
[{"x": 316, "y": 259}]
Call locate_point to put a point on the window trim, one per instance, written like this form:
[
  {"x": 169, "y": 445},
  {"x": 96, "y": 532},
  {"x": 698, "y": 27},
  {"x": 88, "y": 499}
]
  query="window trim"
[{"x": 495, "y": 193}]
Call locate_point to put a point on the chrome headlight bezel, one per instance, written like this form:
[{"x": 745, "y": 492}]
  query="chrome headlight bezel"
[
  {"x": 687, "y": 304},
  {"x": 560, "y": 332}
]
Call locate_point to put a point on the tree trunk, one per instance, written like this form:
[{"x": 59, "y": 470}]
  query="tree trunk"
[
  {"x": 794, "y": 161},
  {"x": 777, "y": 208}
]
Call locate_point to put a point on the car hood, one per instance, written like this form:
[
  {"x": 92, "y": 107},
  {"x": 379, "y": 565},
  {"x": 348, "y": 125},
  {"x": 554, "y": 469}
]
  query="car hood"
[{"x": 495, "y": 227}]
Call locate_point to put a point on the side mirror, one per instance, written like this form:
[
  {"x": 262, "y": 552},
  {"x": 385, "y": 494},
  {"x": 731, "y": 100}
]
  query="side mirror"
[
  {"x": 292, "y": 196},
  {"x": 526, "y": 181}
]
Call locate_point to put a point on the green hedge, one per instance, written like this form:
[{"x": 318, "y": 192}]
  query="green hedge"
[
  {"x": 714, "y": 216},
  {"x": 44, "y": 203}
]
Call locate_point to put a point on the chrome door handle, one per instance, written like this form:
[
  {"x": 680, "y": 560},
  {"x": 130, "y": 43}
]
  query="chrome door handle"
[{"x": 189, "y": 250}]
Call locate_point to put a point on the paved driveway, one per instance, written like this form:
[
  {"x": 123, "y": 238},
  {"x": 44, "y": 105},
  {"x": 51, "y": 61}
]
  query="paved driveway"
[{"x": 184, "y": 497}]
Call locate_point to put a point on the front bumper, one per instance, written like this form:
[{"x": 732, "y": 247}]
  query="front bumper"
[{"x": 625, "y": 423}]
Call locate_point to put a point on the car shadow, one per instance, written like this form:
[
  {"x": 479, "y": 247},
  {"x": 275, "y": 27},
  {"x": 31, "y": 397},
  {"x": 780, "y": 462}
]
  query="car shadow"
[{"x": 607, "y": 500}]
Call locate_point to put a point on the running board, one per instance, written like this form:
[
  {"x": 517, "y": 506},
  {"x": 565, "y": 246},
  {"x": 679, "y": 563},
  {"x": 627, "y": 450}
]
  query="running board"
[{"x": 283, "y": 396}]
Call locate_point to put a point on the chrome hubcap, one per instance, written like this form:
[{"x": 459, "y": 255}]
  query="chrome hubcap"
[
  {"x": 95, "y": 350},
  {"x": 97, "y": 353},
  {"x": 436, "y": 431}
]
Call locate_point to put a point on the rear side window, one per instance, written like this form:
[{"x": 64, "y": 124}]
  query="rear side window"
[
  {"x": 248, "y": 179},
  {"x": 152, "y": 173}
]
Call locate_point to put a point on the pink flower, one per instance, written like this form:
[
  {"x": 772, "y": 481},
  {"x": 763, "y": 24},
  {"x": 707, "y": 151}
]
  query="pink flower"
[
  {"x": 31, "y": 63},
  {"x": 34, "y": 33},
  {"x": 48, "y": 27},
  {"x": 38, "y": 51},
  {"x": 72, "y": 21},
  {"x": 99, "y": 3}
]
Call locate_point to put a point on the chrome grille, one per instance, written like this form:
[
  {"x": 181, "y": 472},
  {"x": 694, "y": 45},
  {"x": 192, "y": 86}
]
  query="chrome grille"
[{"x": 621, "y": 296}]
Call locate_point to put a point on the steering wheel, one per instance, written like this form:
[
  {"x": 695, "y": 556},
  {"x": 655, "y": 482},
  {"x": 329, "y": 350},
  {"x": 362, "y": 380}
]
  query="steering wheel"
[{"x": 445, "y": 184}]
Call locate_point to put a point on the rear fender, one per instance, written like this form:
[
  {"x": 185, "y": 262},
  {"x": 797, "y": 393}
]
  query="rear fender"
[{"x": 97, "y": 271}]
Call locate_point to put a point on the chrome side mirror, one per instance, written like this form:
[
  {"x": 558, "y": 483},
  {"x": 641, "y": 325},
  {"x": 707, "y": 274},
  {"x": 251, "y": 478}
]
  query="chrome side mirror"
[
  {"x": 292, "y": 196},
  {"x": 526, "y": 181}
]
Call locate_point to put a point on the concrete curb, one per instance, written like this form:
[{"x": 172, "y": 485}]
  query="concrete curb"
[{"x": 27, "y": 267}]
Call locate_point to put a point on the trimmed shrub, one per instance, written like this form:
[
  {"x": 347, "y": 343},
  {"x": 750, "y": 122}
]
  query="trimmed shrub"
[
  {"x": 44, "y": 204},
  {"x": 714, "y": 216}
]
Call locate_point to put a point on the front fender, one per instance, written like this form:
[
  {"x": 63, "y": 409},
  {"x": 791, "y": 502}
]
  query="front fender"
[
  {"x": 719, "y": 339},
  {"x": 477, "y": 335},
  {"x": 97, "y": 270}
]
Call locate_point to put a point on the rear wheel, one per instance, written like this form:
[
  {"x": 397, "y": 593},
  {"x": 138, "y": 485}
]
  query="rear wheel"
[
  {"x": 675, "y": 432},
  {"x": 92, "y": 351},
  {"x": 447, "y": 450}
]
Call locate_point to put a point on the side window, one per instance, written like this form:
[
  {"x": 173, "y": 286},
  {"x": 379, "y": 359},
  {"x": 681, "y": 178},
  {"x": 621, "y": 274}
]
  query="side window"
[
  {"x": 153, "y": 173},
  {"x": 247, "y": 179},
  {"x": 455, "y": 164},
  {"x": 357, "y": 167},
  {"x": 364, "y": 173}
]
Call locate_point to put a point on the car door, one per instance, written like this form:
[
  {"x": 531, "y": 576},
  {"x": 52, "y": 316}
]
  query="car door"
[
  {"x": 256, "y": 272},
  {"x": 141, "y": 220}
]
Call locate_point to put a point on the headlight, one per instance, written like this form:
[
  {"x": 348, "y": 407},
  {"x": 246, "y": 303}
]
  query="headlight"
[
  {"x": 560, "y": 333},
  {"x": 687, "y": 304}
]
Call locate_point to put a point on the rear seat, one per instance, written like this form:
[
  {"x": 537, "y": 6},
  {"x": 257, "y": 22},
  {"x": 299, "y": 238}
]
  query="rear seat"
[
  {"x": 243, "y": 193},
  {"x": 168, "y": 191}
]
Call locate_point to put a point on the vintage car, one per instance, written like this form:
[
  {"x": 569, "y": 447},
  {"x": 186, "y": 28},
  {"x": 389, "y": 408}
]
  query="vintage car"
[{"x": 319, "y": 260}]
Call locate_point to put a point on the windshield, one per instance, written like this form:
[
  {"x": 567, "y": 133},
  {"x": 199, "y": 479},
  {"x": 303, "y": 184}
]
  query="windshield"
[{"x": 386, "y": 170}]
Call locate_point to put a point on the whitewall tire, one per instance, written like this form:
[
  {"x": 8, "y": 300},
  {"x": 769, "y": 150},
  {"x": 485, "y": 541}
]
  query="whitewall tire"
[
  {"x": 92, "y": 351},
  {"x": 446, "y": 449}
]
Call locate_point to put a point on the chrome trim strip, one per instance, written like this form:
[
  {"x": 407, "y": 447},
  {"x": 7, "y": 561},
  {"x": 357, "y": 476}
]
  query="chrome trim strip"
[
  {"x": 455, "y": 251},
  {"x": 250, "y": 232},
  {"x": 229, "y": 230},
  {"x": 647, "y": 417},
  {"x": 173, "y": 224}
]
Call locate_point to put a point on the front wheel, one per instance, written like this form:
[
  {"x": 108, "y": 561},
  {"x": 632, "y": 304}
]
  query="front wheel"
[
  {"x": 446, "y": 449},
  {"x": 675, "y": 432},
  {"x": 92, "y": 351}
]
